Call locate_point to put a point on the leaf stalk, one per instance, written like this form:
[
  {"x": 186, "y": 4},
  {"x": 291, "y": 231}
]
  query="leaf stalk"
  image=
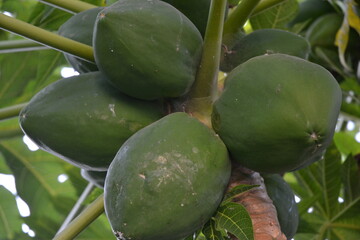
[
  {"x": 71, "y": 6},
  {"x": 90, "y": 213},
  {"x": 46, "y": 38}
]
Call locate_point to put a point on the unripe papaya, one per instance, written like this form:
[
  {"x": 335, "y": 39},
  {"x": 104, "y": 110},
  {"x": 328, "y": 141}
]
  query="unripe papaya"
[
  {"x": 167, "y": 180},
  {"x": 84, "y": 120},
  {"x": 148, "y": 49},
  {"x": 277, "y": 112},
  {"x": 322, "y": 32},
  {"x": 80, "y": 28},
  {"x": 264, "y": 41},
  {"x": 283, "y": 199},
  {"x": 95, "y": 177}
]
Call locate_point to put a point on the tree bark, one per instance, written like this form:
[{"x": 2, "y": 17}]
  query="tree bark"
[{"x": 258, "y": 204}]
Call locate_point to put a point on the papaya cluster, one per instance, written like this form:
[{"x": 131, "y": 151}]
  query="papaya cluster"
[{"x": 165, "y": 173}]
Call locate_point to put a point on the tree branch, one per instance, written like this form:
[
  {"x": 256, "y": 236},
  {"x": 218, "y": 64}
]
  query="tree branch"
[{"x": 12, "y": 111}]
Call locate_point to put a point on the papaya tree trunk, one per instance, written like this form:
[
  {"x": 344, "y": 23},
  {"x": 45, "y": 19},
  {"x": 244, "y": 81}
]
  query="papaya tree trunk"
[{"x": 258, "y": 204}]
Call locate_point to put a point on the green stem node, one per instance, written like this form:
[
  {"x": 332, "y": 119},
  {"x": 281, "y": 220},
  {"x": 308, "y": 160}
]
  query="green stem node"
[
  {"x": 46, "y": 38},
  {"x": 10, "y": 112},
  {"x": 204, "y": 89},
  {"x": 92, "y": 212},
  {"x": 72, "y": 6}
]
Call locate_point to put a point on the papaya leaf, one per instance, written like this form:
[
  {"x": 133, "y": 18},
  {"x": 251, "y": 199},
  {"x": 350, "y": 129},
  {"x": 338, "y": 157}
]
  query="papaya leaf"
[
  {"x": 10, "y": 220},
  {"x": 275, "y": 17},
  {"x": 347, "y": 222},
  {"x": 36, "y": 183},
  {"x": 236, "y": 191},
  {"x": 234, "y": 218},
  {"x": 351, "y": 179},
  {"x": 200, "y": 236},
  {"x": 346, "y": 143},
  {"x": 211, "y": 232},
  {"x": 331, "y": 182},
  {"x": 307, "y": 203},
  {"x": 20, "y": 80}
]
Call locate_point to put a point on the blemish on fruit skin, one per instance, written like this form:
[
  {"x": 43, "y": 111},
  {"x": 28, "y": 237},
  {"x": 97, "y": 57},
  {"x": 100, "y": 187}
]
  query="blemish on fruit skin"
[{"x": 112, "y": 109}]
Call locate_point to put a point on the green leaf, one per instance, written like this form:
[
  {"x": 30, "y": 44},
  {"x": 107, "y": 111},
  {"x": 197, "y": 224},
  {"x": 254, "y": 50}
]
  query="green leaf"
[
  {"x": 346, "y": 143},
  {"x": 20, "y": 79},
  {"x": 236, "y": 191},
  {"x": 36, "y": 183},
  {"x": 211, "y": 232},
  {"x": 234, "y": 218},
  {"x": 351, "y": 179},
  {"x": 10, "y": 219},
  {"x": 275, "y": 17},
  {"x": 331, "y": 182}
]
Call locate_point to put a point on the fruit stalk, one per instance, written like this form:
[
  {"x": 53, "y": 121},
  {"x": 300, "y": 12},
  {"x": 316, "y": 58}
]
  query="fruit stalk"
[
  {"x": 71, "y": 6},
  {"x": 46, "y": 38},
  {"x": 205, "y": 87},
  {"x": 12, "y": 111},
  {"x": 93, "y": 211},
  {"x": 11, "y": 46},
  {"x": 236, "y": 21}
]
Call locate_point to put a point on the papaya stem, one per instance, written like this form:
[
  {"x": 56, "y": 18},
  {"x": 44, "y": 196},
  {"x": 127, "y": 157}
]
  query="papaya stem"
[
  {"x": 264, "y": 5},
  {"x": 10, "y": 133},
  {"x": 204, "y": 89},
  {"x": 46, "y": 38},
  {"x": 12, "y": 111},
  {"x": 71, "y": 6},
  {"x": 77, "y": 206},
  {"x": 237, "y": 20},
  {"x": 23, "y": 45},
  {"x": 90, "y": 213}
]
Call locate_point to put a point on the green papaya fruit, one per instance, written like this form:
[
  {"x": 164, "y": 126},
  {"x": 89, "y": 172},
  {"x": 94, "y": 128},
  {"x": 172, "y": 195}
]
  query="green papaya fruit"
[
  {"x": 264, "y": 41},
  {"x": 84, "y": 120},
  {"x": 283, "y": 199},
  {"x": 95, "y": 177},
  {"x": 196, "y": 11},
  {"x": 322, "y": 32},
  {"x": 80, "y": 28},
  {"x": 277, "y": 112},
  {"x": 167, "y": 180},
  {"x": 148, "y": 49}
]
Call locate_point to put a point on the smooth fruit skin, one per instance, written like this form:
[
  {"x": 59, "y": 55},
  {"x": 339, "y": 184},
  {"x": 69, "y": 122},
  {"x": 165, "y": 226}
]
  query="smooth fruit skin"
[
  {"x": 167, "y": 180},
  {"x": 84, "y": 120},
  {"x": 264, "y": 41},
  {"x": 80, "y": 27},
  {"x": 95, "y": 177},
  {"x": 277, "y": 112},
  {"x": 283, "y": 199},
  {"x": 148, "y": 49},
  {"x": 322, "y": 32}
]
